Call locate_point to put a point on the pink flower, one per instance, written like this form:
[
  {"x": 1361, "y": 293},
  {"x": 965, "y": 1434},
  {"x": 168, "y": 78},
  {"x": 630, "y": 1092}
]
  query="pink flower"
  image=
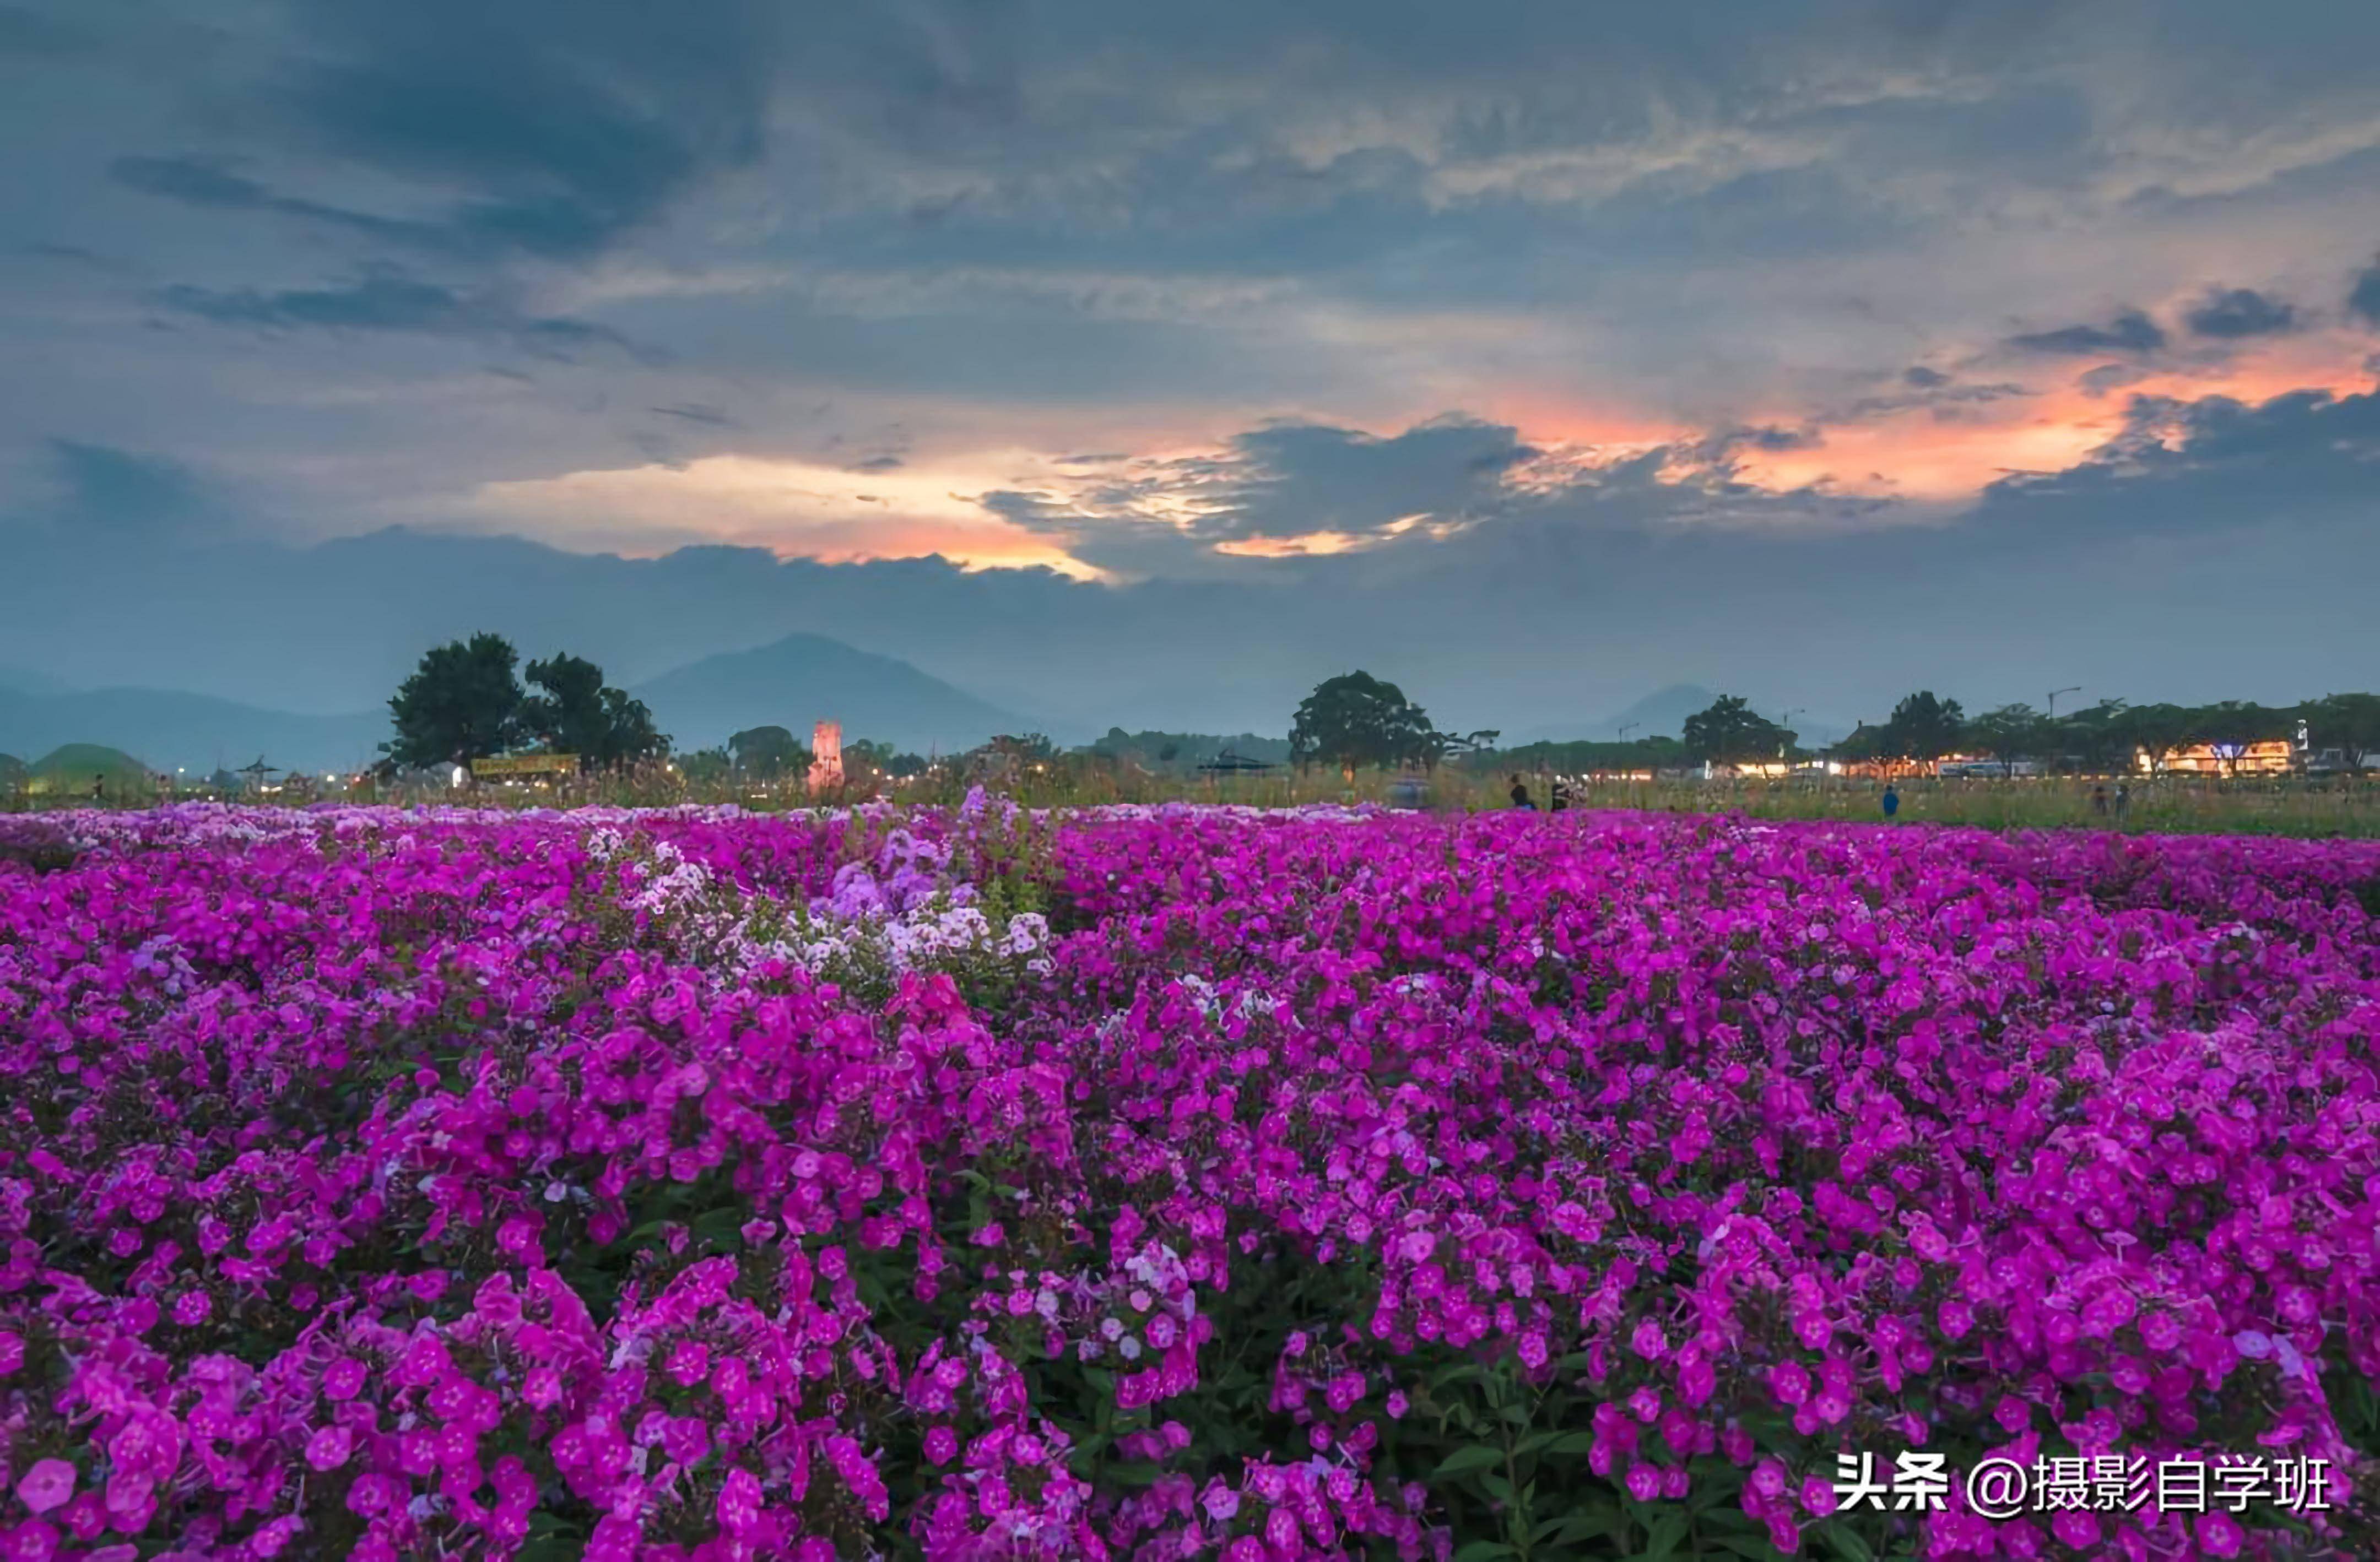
[
  {"x": 46, "y": 1485},
  {"x": 329, "y": 1448}
]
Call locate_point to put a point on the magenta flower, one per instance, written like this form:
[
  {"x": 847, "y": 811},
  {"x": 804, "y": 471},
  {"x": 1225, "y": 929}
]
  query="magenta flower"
[{"x": 46, "y": 1485}]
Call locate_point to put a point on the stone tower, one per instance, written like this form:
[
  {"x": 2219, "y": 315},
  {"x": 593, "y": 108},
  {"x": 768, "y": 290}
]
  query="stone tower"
[{"x": 825, "y": 756}]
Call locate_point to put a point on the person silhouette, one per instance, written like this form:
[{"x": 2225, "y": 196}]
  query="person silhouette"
[
  {"x": 1521, "y": 796},
  {"x": 1891, "y": 800}
]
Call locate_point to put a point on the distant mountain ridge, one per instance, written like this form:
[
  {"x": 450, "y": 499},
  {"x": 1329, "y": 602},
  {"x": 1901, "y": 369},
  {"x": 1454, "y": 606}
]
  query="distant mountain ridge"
[
  {"x": 1663, "y": 713},
  {"x": 802, "y": 678},
  {"x": 172, "y": 729},
  {"x": 789, "y": 682}
]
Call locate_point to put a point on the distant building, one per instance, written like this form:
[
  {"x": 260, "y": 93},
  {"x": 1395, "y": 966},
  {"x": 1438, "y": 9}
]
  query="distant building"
[
  {"x": 826, "y": 757},
  {"x": 2275, "y": 756}
]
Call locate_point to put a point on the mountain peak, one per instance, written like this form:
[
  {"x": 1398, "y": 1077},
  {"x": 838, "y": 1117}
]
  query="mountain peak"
[{"x": 800, "y": 679}]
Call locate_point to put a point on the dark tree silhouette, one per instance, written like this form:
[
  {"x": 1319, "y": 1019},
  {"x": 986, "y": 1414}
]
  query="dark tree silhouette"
[{"x": 463, "y": 703}]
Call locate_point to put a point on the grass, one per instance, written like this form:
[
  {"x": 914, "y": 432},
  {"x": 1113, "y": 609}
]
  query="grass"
[{"x": 2175, "y": 806}]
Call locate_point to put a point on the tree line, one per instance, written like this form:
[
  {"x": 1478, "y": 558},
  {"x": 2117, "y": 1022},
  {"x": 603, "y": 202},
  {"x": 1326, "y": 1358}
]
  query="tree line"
[
  {"x": 1924, "y": 728},
  {"x": 467, "y": 701},
  {"x": 1358, "y": 721},
  {"x": 471, "y": 699}
]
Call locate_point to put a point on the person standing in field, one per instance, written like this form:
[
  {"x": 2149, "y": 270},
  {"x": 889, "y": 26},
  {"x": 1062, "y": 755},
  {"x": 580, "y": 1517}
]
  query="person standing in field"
[
  {"x": 2124, "y": 800},
  {"x": 2100, "y": 800},
  {"x": 1521, "y": 796},
  {"x": 1891, "y": 800}
]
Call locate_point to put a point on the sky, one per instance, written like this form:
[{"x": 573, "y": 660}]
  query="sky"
[{"x": 1150, "y": 362}]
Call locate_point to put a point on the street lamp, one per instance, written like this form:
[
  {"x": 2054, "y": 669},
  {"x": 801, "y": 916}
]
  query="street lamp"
[
  {"x": 1628, "y": 727},
  {"x": 2071, "y": 689}
]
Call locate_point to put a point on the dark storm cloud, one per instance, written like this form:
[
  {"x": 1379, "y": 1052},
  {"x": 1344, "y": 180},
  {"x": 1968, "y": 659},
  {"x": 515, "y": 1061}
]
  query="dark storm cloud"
[
  {"x": 2130, "y": 332},
  {"x": 1924, "y": 379},
  {"x": 696, "y": 412},
  {"x": 393, "y": 304},
  {"x": 1294, "y": 479},
  {"x": 2233, "y": 313},
  {"x": 880, "y": 464},
  {"x": 2214, "y": 462},
  {"x": 571, "y": 122},
  {"x": 122, "y": 494},
  {"x": 2363, "y": 299},
  {"x": 1722, "y": 447},
  {"x": 205, "y": 183}
]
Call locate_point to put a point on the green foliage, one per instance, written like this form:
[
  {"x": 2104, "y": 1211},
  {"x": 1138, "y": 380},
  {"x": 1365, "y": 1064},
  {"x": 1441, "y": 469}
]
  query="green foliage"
[
  {"x": 2007, "y": 734},
  {"x": 1730, "y": 733},
  {"x": 1183, "y": 752},
  {"x": 766, "y": 752},
  {"x": 1922, "y": 728},
  {"x": 1356, "y": 721},
  {"x": 463, "y": 703},
  {"x": 577, "y": 714},
  {"x": 1584, "y": 758}
]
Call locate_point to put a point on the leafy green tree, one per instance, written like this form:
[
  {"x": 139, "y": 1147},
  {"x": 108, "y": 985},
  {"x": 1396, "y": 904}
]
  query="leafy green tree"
[
  {"x": 2229, "y": 726},
  {"x": 2349, "y": 723},
  {"x": 707, "y": 765},
  {"x": 906, "y": 765},
  {"x": 1863, "y": 745},
  {"x": 2158, "y": 731},
  {"x": 2007, "y": 734},
  {"x": 2097, "y": 736},
  {"x": 871, "y": 752},
  {"x": 768, "y": 752},
  {"x": 1354, "y": 721},
  {"x": 1729, "y": 732},
  {"x": 463, "y": 703},
  {"x": 576, "y": 713},
  {"x": 1923, "y": 727}
]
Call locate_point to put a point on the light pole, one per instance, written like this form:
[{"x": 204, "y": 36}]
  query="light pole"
[
  {"x": 1628, "y": 727},
  {"x": 2072, "y": 689}
]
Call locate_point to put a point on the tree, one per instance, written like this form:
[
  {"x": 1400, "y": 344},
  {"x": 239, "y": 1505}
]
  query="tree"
[
  {"x": 1355, "y": 719},
  {"x": 906, "y": 765},
  {"x": 1729, "y": 732},
  {"x": 2158, "y": 731},
  {"x": 1863, "y": 745},
  {"x": 1922, "y": 728},
  {"x": 2349, "y": 723},
  {"x": 2096, "y": 735},
  {"x": 463, "y": 703},
  {"x": 2229, "y": 726},
  {"x": 577, "y": 714},
  {"x": 2006, "y": 733},
  {"x": 768, "y": 752},
  {"x": 706, "y": 765}
]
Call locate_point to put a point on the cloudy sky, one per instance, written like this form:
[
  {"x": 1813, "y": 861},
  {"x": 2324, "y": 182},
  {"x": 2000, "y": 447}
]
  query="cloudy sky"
[{"x": 1540, "y": 352}]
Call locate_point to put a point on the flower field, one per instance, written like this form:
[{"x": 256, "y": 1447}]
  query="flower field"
[{"x": 1167, "y": 1182}]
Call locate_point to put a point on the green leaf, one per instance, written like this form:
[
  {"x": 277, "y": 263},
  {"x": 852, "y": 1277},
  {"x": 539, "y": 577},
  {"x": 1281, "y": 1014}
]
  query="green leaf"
[
  {"x": 1849, "y": 1542},
  {"x": 1482, "y": 1551},
  {"x": 1568, "y": 1443},
  {"x": 1667, "y": 1529},
  {"x": 1478, "y": 1456}
]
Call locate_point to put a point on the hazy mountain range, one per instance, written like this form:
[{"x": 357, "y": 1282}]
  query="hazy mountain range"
[{"x": 791, "y": 682}]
